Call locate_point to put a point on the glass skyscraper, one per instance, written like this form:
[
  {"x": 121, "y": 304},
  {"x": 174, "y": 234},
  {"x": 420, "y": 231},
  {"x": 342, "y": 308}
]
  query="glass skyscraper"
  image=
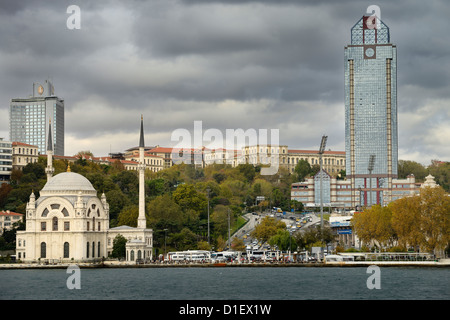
[
  {"x": 371, "y": 112},
  {"x": 29, "y": 119}
]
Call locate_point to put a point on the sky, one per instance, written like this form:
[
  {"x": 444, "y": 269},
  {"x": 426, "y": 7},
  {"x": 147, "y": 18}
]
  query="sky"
[{"x": 231, "y": 64}]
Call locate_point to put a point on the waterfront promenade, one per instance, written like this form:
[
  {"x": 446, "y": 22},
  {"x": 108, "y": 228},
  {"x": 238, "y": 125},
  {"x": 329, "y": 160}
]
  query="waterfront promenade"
[{"x": 124, "y": 264}]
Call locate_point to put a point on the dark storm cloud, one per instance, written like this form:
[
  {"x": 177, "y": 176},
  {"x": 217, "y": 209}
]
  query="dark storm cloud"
[{"x": 231, "y": 64}]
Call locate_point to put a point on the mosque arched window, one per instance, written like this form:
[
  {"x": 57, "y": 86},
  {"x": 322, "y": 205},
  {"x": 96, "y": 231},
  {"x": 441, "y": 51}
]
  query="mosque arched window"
[
  {"x": 55, "y": 224},
  {"x": 43, "y": 250},
  {"x": 66, "y": 250}
]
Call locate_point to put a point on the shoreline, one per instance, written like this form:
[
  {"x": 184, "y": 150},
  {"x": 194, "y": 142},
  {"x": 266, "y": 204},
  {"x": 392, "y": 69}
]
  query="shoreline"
[{"x": 112, "y": 265}]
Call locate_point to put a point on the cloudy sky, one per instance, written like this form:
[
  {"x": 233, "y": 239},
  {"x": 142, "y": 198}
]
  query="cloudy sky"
[{"x": 232, "y": 64}]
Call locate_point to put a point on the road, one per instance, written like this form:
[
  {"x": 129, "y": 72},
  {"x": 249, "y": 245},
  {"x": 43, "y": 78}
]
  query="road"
[{"x": 288, "y": 219}]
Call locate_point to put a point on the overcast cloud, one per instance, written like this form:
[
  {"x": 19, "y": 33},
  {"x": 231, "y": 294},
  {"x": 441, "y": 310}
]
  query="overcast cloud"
[{"x": 231, "y": 64}]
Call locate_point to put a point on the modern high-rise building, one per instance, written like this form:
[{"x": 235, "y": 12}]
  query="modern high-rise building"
[
  {"x": 29, "y": 118},
  {"x": 371, "y": 112},
  {"x": 5, "y": 161}
]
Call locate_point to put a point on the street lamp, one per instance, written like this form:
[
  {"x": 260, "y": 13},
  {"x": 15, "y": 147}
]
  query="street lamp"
[
  {"x": 165, "y": 236},
  {"x": 208, "y": 190},
  {"x": 321, "y": 151},
  {"x": 229, "y": 235}
]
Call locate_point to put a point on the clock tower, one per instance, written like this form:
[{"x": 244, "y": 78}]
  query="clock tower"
[{"x": 371, "y": 112}]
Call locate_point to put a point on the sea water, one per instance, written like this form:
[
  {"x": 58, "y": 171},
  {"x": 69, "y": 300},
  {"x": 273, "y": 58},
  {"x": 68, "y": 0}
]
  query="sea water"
[{"x": 225, "y": 283}]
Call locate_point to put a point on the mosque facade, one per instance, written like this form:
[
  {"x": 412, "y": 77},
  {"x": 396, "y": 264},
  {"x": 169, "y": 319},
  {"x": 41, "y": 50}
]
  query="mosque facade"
[{"x": 70, "y": 223}]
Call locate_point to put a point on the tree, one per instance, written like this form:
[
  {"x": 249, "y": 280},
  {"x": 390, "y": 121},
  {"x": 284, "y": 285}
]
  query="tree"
[
  {"x": 374, "y": 224},
  {"x": 189, "y": 199},
  {"x": 302, "y": 169},
  {"x": 117, "y": 201},
  {"x": 435, "y": 218},
  {"x": 423, "y": 220},
  {"x": 313, "y": 236},
  {"x": 5, "y": 189},
  {"x": 237, "y": 244},
  {"x": 268, "y": 227},
  {"x": 405, "y": 221},
  {"x": 441, "y": 171},
  {"x": 219, "y": 219},
  {"x": 119, "y": 249},
  {"x": 165, "y": 213},
  {"x": 157, "y": 187},
  {"x": 406, "y": 167},
  {"x": 128, "y": 182},
  {"x": 128, "y": 216},
  {"x": 184, "y": 240},
  {"x": 282, "y": 239}
]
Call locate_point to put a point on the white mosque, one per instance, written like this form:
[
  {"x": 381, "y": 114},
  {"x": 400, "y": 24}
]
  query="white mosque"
[{"x": 69, "y": 223}]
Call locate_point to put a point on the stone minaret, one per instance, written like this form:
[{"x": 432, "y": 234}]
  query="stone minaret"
[
  {"x": 141, "y": 219},
  {"x": 49, "y": 170}
]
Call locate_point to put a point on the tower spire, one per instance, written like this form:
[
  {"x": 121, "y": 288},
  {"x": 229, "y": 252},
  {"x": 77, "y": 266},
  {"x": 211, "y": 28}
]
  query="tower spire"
[
  {"x": 49, "y": 169},
  {"x": 141, "y": 139}
]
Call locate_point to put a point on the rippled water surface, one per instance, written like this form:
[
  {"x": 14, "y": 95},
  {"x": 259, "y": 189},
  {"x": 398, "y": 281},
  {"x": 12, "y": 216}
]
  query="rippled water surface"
[{"x": 220, "y": 283}]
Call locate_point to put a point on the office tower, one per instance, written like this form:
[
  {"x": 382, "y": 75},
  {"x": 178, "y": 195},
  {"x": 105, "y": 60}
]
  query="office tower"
[
  {"x": 5, "y": 161},
  {"x": 371, "y": 112},
  {"x": 29, "y": 118}
]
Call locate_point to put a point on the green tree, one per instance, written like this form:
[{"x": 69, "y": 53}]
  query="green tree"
[
  {"x": 219, "y": 219},
  {"x": 128, "y": 216},
  {"x": 128, "y": 182},
  {"x": 283, "y": 240},
  {"x": 190, "y": 199},
  {"x": 407, "y": 167},
  {"x": 117, "y": 201},
  {"x": 302, "y": 170},
  {"x": 184, "y": 240},
  {"x": 119, "y": 250},
  {"x": 157, "y": 187},
  {"x": 165, "y": 213},
  {"x": 441, "y": 172}
]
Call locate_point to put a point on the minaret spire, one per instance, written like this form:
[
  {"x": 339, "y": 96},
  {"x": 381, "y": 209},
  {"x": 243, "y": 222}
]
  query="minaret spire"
[
  {"x": 49, "y": 169},
  {"x": 141, "y": 223}
]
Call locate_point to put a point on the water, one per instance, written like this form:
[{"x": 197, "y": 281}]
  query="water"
[{"x": 222, "y": 283}]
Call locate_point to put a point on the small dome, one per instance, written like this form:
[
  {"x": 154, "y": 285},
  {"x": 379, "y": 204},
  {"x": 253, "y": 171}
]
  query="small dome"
[{"x": 68, "y": 181}]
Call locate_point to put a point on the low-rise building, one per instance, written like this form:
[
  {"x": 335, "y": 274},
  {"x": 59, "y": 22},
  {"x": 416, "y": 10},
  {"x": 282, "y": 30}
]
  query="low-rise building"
[
  {"x": 332, "y": 161},
  {"x": 339, "y": 193},
  {"x": 23, "y": 154}
]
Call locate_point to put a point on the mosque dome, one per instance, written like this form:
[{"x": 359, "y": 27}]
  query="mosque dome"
[{"x": 68, "y": 182}]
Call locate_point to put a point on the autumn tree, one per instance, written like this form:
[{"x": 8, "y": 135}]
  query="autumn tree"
[
  {"x": 405, "y": 221},
  {"x": 268, "y": 227},
  {"x": 434, "y": 210},
  {"x": 374, "y": 224}
]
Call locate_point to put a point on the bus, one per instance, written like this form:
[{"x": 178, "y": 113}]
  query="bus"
[{"x": 189, "y": 256}]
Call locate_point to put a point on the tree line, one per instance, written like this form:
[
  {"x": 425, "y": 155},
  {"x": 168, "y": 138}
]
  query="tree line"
[
  {"x": 420, "y": 223},
  {"x": 176, "y": 198}
]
